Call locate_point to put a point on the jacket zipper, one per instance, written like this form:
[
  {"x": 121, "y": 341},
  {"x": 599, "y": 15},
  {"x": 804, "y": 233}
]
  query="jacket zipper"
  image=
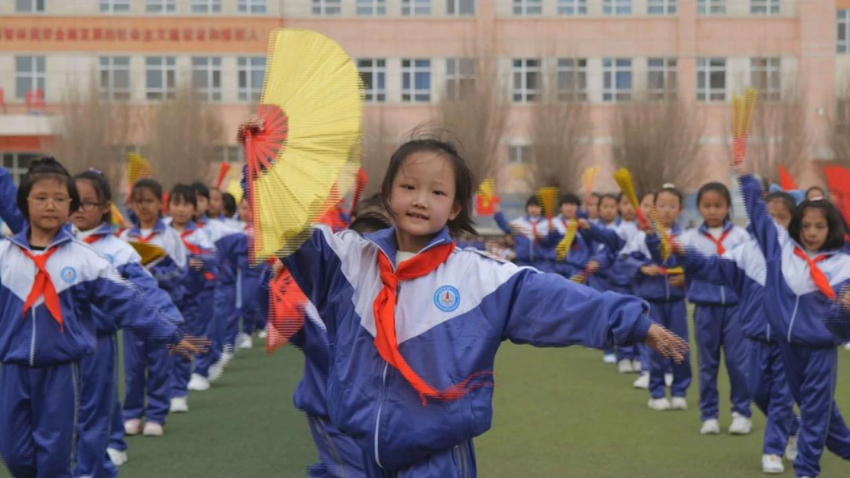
[
  {"x": 383, "y": 393},
  {"x": 722, "y": 295},
  {"x": 793, "y": 318},
  {"x": 32, "y": 341},
  {"x": 667, "y": 287},
  {"x": 461, "y": 458}
]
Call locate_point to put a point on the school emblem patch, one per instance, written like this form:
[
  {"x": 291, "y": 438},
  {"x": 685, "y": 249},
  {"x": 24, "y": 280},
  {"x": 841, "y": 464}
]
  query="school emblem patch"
[
  {"x": 447, "y": 298},
  {"x": 69, "y": 275}
]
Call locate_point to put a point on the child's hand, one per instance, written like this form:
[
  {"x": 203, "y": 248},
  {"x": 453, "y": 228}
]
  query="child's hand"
[
  {"x": 592, "y": 267},
  {"x": 583, "y": 224},
  {"x": 190, "y": 346},
  {"x": 277, "y": 268},
  {"x": 740, "y": 169},
  {"x": 253, "y": 126},
  {"x": 677, "y": 280},
  {"x": 666, "y": 343},
  {"x": 551, "y": 226},
  {"x": 196, "y": 263},
  {"x": 677, "y": 247},
  {"x": 650, "y": 270},
  {"x": 845, "y": 297},
  {"x": 647, "y": 228},
  {"x": 497, "y": 208}
]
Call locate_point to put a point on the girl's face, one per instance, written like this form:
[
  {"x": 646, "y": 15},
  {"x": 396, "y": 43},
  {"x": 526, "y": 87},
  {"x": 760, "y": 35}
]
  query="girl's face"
[
  {"x": 203, "y": 205},
  {"x": 646, "y": 205},
  {"x": 146, "y": 206},
  {"x": 714, "y": 208},
  {"x": 814, "y": 229},
  {"x": 533, "y": 210},
  {"x": 90, "y": 214},
  {"x": 608, "y": 210},
  {"x": 569, "y": 210},
  {"x": 626, "y": 210},
  {"x": 216, "y": 203},
  {"x": 668, "y": 207},
  {"x": 422, "y": 199},
  {"x": 49, "y": 205},
  {"x": 779, "y": 212},
  {"x": 243, "y": 211},
  {"x": 181, "y": 211}
]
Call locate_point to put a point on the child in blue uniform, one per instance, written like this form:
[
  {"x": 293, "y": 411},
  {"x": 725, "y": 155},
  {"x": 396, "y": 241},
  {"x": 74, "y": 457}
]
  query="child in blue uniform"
[
  {"x": 414, "y": 324},
  {"x": 49, "y": 283},
  {"x": 577, "y": 257},
  {"x": 531, "y": 235},
  {"x": 716, "y": 314}
]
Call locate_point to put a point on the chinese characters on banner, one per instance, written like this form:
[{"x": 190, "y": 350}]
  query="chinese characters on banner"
[{"x": 83, "y": 34}]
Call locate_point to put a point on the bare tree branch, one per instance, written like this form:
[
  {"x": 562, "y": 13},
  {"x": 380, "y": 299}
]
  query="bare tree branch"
[
  {"x": 657, "y": 141},
  {"x": 840, "y": 135},
  {"x": 378, "y": 146}
]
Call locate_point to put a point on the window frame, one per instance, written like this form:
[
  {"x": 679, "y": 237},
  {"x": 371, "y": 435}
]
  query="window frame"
[
  {"x": 168, "y": 71},
  {"x": 705, "y": 71},
  {"x": 110, "y": 92},
  {"x": 611, "y": 69},
  {"x": 246, "y": 67},
  {"x": 373, "y": 92},
  {"x": 409, "y": 73},
  {"x": 521, "y": 93},
  {"x": 36, "y": 75}
]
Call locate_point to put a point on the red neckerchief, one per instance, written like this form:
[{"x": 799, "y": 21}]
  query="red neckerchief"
[
  {"x": 384, "y": 306},
  {"x": 43, "y": 286},
  {"x": 717, "y": 242},
  {"x": 818, "y": 276}
]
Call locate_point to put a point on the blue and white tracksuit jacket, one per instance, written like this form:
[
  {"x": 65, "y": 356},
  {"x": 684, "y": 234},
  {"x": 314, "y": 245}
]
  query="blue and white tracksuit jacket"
[
  {"x": 620, "y": 273},
  {"x": 99, "y": 384},
  {"x": 443, "y": 341},
  {"x": 798, "y": 312},
  {"x": 533, "y": 243},
  {"x": 40, "y": 378},
  {"x": 717, "y": 326},
  {"x": 745, "y": 270},
  {"x": 238, "y": 283},
  {"x": 667, "y": 307}
]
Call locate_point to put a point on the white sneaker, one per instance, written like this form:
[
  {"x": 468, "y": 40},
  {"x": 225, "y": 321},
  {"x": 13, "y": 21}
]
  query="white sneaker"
[
  {"x": 642, "y": 381},
  {"x": 659, "y": 404},
  {"x": 179, "y": 405},
  {"x": 772, "y": 465},
  {"x": 132, "y": 427},
  {"x": 679, "y": 403},
  {"x": 710, "y": 427},
  {"x": 791, "y": 449},
  {"x": 624, "y": 366},
  {"x": 216, "y": 371},
  {"x": 636, "y": 366},
  {"x": 153, "y": 429},
  {"x": 668, "y": 379},
  {"x": 609, "y": 358},
  {"x": 741, "y": 425},
  {"x": 227, "y": 356},
  {"x": 117, "y": 457},
  {"x": 847, "y": 346},
  {"x": 262, "y": 334},
  {"x": 244, "y": 342},
  {"x": 198, "y": 383}
]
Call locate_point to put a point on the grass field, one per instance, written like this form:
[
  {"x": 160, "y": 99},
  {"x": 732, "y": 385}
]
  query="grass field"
[{"x": 558, "y": 413}]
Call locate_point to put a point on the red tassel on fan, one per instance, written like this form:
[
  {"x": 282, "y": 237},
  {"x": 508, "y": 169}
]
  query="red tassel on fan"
[
  {"x": 786, "y": 180},
  {"x": 222, "y": 173},
  {"x": 286, "y": 311}
]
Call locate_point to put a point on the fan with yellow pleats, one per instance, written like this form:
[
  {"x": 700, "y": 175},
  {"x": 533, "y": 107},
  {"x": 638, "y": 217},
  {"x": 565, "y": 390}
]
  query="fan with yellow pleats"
[
  {"x": 587, "y": 179},
  {"x": 566, "y": 243},
  {"x": 548, "y": 197},
  {"x": 306, "y": 156},
  {"x": 148, "y": 252}
]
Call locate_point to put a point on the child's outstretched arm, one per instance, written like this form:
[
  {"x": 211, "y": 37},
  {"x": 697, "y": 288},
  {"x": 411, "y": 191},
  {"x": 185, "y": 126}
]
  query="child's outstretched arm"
[
  {"x": 838, "y": 321},
  {"x": 719, "y": 270},
  {"x": 603, "y": 235},
  {"x": 764, "y": 229},
  {"x": 549, "y": 311},
  {"x": 8, "y": 203}
]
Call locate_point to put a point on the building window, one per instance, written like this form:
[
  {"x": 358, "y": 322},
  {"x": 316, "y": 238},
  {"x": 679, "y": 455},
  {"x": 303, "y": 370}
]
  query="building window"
[
  {"x": 460, "y": 7},
  {"x": 416, "y": 81},
  {"x": 373, "y": 72},
  {"x": 29, "y": 6},
  {"x": 29, "y": 75},
  {"x": 528, "y": 7},
  {"x": 766, "y": 76},
  {"x": 160, "y": 77},
  {"x": 764, "y": 7},
  {"x": 661, "y": 7},
  {"x": 572, "y": 7},
  {"x": 251, "y": 70},
  {"x": 460, "y": 77},
  {"x": 252, "y": 6},
  {"x": 114, "y": 72},
  {"x": 206, "y": 77},
  {"x": 527, "y": 75},
  {"x": 161, "y": 6},
  {"x": 18, "y": 164},
  {"x": 206, "y": 6},
  {"x": 371, "y": 8},
  {"x": 662, "y": 79},
  {"x": 572, "y": 79},
  {"x": 228, "y": 154},
  {"x": 415, "y": 8},
  {"x": 114, "y": 6},
  {"x": 616, "y": 79},
  {"x": 711, "y": 7},
  {"x": 711, "y": 79},
  {"x": 327, "y": 8},
  {"x": 617, "y": 7},
  {"x": 844, "y": 31},
  {"x": 519, "y": 154}
]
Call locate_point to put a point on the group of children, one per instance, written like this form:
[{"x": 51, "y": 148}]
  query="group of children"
[
  {"x": 174, "y": 284},
  {"x": 398, "y": 325}
]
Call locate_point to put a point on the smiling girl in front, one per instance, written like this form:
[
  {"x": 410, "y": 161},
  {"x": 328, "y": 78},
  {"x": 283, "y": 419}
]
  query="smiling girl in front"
[
  {"x": 805, "y": 270},
  {"x": 414, "y": 323},
  {"x": 49, "y": 284}
]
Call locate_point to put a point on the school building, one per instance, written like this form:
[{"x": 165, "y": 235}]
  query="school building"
[{"x": 411, "y": 51}]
